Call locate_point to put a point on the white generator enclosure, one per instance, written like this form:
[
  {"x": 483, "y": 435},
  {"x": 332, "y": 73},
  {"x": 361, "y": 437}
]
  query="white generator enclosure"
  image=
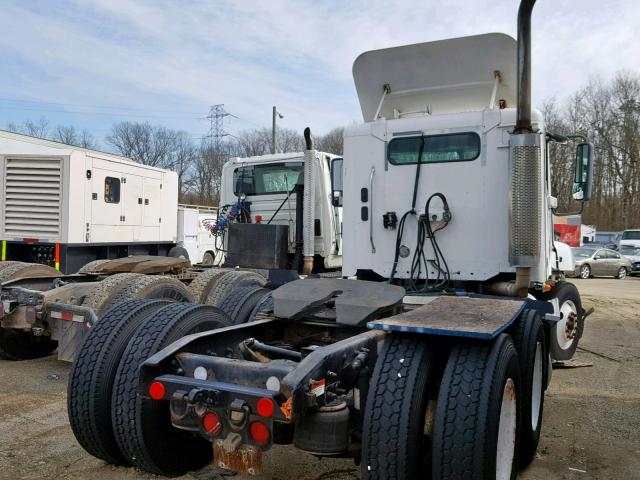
[
  {"x": 266, "y": 182},
  {"x": 52, "y": 193},
  {"x": 438, "y": 119}
]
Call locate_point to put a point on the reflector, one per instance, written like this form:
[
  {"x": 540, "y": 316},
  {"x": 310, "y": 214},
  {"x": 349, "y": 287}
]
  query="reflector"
[{"x": 259, "y": 432}]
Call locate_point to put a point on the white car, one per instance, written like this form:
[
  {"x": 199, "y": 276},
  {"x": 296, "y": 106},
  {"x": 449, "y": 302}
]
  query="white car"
[{"x": 633, "y": 254}]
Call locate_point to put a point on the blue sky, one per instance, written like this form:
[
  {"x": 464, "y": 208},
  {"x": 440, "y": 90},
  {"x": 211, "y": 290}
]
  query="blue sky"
[{"x": 93, "y": 63}]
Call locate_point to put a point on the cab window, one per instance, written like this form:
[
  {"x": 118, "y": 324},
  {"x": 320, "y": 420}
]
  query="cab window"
[
  {"x": 267, "y": 178},
  {"x": 453, "y": 147}
]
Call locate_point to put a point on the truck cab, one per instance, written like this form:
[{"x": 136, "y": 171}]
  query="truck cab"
[
  {"x": 442, "y": 127},
  {"x": 267, "y": 186}
]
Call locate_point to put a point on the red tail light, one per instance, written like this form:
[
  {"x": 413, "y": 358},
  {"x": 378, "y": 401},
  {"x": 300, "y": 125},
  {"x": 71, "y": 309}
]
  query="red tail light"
[
  {"x": 156, "y": 391},
  {"x": 265, "y": 407},
  {"x": 259, "y": 433},
  {"x": 211, "y": 423}
]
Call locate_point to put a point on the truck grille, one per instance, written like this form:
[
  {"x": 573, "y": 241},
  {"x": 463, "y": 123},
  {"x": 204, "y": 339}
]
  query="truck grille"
[{"x": 32, "y": 194}]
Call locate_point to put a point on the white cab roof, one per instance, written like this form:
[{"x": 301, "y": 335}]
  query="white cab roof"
[{"x": 452, "y": 75}]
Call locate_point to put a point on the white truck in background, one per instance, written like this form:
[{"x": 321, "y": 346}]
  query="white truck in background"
[
  {"x": 66, "y": 206},
  {"x": 269, "y": 187}
]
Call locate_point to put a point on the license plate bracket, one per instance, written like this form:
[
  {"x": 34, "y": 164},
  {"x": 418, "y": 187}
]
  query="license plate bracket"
[{"x": 244, "y": 459}]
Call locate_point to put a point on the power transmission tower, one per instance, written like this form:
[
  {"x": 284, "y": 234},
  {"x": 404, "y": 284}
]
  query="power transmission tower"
[{"x": 216, "y": 126}]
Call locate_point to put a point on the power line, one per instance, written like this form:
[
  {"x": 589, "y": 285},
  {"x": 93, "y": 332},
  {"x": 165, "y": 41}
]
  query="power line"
[
  {"x": 113, "y": 107},
  {"x": 112, "y": 114}
]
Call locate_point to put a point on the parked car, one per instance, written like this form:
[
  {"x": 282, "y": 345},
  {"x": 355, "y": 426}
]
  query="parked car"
[
  {"x": 591, "y": 262},
  {"x": 633, "y": 254}
]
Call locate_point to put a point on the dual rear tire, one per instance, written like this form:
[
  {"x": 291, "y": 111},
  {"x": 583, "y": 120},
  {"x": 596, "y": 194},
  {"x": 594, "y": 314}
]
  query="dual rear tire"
[
  {"x": 108, "y": 418},
  {"x": 481, "y": 420}
]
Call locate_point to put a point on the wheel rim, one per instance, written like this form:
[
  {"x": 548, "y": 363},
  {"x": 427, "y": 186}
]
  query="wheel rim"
[
  {"x": 622, "y": 272},
  {"x": 536, "y": 388},
  {"x": 567, "y": 325},
  {"x": 506, "y": 432},
  {"x": 585, "y": 271}
]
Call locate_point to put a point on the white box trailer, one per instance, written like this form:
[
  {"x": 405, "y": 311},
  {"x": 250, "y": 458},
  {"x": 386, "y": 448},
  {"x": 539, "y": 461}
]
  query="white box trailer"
[{"x": 65, "y": 206}]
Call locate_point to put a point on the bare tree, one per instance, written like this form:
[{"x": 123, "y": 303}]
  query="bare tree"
[
  {"x": 254, "y": 142},
  {"x": 38, "y": 128},
  {"x": 332, "y": 142},
  {"x": 65, "y": 134}
]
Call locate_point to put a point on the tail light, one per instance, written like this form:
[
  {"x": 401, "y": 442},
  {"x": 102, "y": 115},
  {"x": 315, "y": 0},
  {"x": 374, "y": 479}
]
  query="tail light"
[
  {"x": 211, "y": 423},
  {"x": 259, "y": 433},
  {"x": 265, "y": 407},
  {"x": 156, "y": 391}
]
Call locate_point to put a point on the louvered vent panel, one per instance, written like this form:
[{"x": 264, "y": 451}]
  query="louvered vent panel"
[{"x": 33, "y": 197}]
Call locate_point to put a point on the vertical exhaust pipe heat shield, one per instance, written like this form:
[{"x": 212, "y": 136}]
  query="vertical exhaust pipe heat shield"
[
  {"x": 526, "y": 199},
  {"x": 308, "y": 246}
]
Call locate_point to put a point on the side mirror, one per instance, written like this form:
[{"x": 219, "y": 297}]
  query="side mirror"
[
  {"x": 336, "y": 182},
  {"x": 583, "y": 182}
]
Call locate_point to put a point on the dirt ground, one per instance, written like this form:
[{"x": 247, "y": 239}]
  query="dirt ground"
[{"x": 591, "y": 424}]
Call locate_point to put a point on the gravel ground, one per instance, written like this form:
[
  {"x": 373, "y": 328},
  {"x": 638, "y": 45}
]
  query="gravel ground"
[{"x": 591, "y": 421}]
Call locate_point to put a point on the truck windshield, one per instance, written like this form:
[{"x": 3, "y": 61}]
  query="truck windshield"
[
  {"x": 267, "y": 178},
  {"x": 631, "y": 235}
]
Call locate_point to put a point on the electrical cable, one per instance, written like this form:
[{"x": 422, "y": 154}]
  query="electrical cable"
[{"x": 419, "y": 261}]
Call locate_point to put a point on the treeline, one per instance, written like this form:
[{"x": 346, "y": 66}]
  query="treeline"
[
  {"x": 608, "y": 114},
  {"x": 198, "y": 162}
]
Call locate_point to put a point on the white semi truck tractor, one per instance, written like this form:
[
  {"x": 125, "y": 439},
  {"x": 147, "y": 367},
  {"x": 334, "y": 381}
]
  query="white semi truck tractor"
[{"x": 430, "y": 357}]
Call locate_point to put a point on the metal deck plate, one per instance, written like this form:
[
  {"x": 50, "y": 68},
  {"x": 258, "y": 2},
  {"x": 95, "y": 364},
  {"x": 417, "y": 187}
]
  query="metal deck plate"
[
  {"x": 456, "y": 316},
  {"x": 356, "y": 301}
]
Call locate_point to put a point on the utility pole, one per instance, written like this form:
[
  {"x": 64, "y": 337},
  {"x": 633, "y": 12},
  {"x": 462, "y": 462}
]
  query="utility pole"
[{"x": 273, "y": 128}]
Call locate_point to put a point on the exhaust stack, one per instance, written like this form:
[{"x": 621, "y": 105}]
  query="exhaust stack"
[
  {"x": 523, "y": 121},
  {"x": 525, "y": 219}
]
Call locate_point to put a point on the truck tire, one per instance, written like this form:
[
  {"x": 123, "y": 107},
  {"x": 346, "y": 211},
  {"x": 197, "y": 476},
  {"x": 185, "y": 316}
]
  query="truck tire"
[
  {"x": 178, "y": 252},
  {"x": 152, "y": 287},
  {"x": 204, "y": 282},
  {"x": 477, "y": 413},
  {"x": 231, "y": 280},
  {"x": 7, "y": 263},
  {"x": 20, "y": 270},
  {"x": 208, "y": 258},
  {"x": 566, "y": 333},
  {"x": 21, "y": 345},
  {"x": 142, "y": 426},
  {"x": 395, "y": 446},
  {"x": 529, "y": 339},
  {"x": 99, "y": 298},
  {"x": 93, "y": 267},
  {"x": 264, "y": 305},
  {"x": 92, "y": 375},
  {"x": 240, "y": 302}
]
